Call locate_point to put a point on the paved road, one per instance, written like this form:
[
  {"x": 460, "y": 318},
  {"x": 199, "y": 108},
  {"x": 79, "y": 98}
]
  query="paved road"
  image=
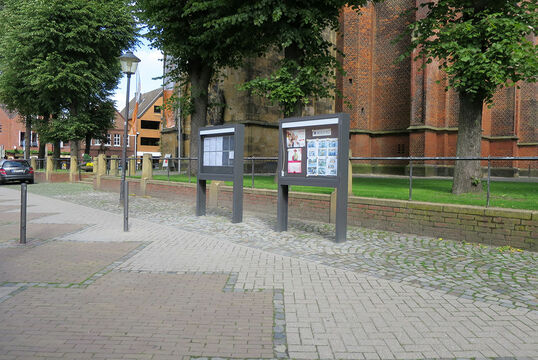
[{"x": 181, "y": 287}]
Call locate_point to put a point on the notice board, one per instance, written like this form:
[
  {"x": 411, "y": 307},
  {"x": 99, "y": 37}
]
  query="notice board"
[
  {"x": 220, "y": 157},
  {"x": 314, "y": 151}
]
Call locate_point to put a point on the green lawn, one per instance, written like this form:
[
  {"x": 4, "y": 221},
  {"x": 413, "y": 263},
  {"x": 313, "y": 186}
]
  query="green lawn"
[{"x": 516, "y": 195}]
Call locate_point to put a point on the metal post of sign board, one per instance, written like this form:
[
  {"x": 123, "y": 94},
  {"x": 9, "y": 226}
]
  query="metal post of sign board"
[
  {"x": 342, "y": 190},
  {"x": 220, "y": 157},
  {"x": 200, "y": 197},
  {"x": 237, "y": 212},
  {"x": 314, "y": 151},
  {"x": 282, "y": 208}
]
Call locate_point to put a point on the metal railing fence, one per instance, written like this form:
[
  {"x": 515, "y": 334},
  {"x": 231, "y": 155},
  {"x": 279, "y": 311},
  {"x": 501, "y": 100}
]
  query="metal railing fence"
[
  {"x": 267, "y": 165},
  {"x": 489, "y": 159}
]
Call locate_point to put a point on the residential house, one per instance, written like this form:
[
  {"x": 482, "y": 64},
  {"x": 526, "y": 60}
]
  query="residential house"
[
  {"x": 113, "y": 145},
  {"x": 147, "y": 128}
]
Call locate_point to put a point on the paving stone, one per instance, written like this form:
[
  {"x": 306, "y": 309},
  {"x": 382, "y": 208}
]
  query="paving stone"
[
  {"x": 379, "y": 286},
  {"x": 141, "y": 311},
  {"x": 34, "y": 232},
  {"x": 14, "y": 216},
  {"x": 58, "y": 261}
]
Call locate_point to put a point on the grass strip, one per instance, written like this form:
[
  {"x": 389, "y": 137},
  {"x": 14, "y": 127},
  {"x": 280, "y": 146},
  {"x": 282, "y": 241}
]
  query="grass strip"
[{"x": 504, "y": 194}]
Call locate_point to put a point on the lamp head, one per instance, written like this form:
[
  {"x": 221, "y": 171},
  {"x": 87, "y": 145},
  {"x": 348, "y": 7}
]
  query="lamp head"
[{"x": 129, "y": 63}]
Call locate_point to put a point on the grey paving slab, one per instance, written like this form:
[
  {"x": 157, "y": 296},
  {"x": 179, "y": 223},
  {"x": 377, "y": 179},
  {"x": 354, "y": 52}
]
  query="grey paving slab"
[
  {"x": 58, "y": 261},
  {"x": 10, "y": 233},
  {"x": 4, "y": 291},
  {"x": 14, "y": 217},
  {"x": 7, "y": 199}
]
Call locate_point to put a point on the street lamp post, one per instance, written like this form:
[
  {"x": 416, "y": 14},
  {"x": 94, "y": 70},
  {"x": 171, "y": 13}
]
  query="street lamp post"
[
  {"x": 129, "y": 63},
  {"x": 136, "y": 150}
]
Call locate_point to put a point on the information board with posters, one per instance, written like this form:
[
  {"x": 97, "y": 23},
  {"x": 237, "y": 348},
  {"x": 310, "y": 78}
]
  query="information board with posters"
[
  {"x": 220, "y": 157},
  {"x": 314, "y": 151}
]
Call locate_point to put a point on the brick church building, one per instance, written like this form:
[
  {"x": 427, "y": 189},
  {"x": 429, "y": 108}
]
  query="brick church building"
[{"x": 400, "y": 109}]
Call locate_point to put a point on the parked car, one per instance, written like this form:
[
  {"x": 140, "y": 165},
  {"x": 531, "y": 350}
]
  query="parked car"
[{"x": 16, "y": 170}]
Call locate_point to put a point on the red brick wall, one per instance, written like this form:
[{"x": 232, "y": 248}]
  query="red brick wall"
[
  {"x": 392, "y": 79},
  {"x": 387, "y": 96},
  {"x": 113, "y": 184},
  {"x": 377, "y": 87},
  {"x": 528, "y": 114},
  {"x": 40, "y": 176},
  {"x": 161, "y": 190},
  {"x": 388, "y": 145}
]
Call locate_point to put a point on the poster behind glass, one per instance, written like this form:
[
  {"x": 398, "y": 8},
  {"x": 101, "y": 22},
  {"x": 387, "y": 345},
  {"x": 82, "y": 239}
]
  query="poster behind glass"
[
  {"x": 312, "y": 151},
  {"x": 218, "y": 151}
]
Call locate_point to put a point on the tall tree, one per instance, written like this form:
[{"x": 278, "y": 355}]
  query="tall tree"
[
  {"x": 57, "y": 55},
  {"x": 200, "y": 37},
  {"x": 205, "y": 36},
  {"x": 14, "y": 93},
  {"x": 482, "y": 46}
]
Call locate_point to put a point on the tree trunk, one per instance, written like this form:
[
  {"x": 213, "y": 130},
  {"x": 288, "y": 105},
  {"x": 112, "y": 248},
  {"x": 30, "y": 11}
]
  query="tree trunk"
[
  {"x": 42, "y": 149},
  {"x": 56, "y": 153},
  {"x": 294, "y": 53},
  {"x": 74, "y": 143},
  {"x": 74, "y": 146},
  {"x": 467, "y": 173},
  {"x": 28, "y": 137},
  {"x": 87, "y": 144},
  {"x": 200, "y": 75},
  {"x": 42, "y": 142}
]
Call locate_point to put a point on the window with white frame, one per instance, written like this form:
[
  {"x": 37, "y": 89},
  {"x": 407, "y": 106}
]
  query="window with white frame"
[
  {"x": 108, "y": 139},
  {"x": 117, "y": 140},
  {"x": 128, "y": 140},
  {"x": 97, "y": 142},
  {"x": 33, "y": 139}
]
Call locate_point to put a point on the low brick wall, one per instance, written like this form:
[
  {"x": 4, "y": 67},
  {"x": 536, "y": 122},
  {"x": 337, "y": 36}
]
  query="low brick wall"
[
  {"x": 108, "y": 183},
  {"x": 163, "y": 190},
  {"x": 492, "y": 226},
  {"x": 40, "y": 176}
]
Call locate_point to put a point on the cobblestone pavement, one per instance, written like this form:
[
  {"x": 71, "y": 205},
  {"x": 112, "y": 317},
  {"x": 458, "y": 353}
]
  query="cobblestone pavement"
[
  {"x": 470, "y": 271},
  {"x": 374, "y": 297}
]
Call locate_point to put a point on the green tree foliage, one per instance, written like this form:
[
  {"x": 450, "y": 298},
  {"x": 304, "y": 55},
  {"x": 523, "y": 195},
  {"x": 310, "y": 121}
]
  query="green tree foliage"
[
  {"x": 482, "y": 46},
  {"x": 200, "y": 37},
  {"x": 58, "y": 56},
  {"x": 93, "y": 121},
  {"x": 309, "y": 66},
  {"x": 294, "y": 82}
]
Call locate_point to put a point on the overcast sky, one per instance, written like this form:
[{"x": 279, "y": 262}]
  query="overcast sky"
[{"x": 150, "y": 66}]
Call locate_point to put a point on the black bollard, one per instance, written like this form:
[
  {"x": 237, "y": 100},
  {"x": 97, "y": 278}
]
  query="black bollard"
[{"x": 24, "y": 196}]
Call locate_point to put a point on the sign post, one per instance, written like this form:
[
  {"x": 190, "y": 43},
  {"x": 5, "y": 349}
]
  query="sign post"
[
  {"x": 220, "y": 157},
  {"x": 314, "y": 151},
  {"x": 166, "y": 160}
]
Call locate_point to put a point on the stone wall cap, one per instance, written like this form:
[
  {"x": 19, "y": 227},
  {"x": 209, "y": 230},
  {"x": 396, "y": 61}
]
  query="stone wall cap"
[{"x": 170, "y": 183}]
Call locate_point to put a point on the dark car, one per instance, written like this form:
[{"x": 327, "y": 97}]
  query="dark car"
[{"x": 16, "y": 170}]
